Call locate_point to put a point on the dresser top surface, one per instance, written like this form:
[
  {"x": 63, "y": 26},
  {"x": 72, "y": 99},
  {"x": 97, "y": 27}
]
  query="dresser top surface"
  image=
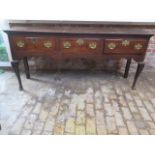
[{"x": 82, "y": 27}]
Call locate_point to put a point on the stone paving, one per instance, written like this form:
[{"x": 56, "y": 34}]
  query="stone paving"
[{"x": 78, "y": 103}]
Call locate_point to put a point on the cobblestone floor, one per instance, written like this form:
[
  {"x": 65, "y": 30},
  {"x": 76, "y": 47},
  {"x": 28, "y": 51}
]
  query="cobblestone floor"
[{"x": 77, "y": 103}]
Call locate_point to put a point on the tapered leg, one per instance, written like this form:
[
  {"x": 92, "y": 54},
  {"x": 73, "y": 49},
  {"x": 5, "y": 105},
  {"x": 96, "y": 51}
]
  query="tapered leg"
[
  {"x": 140, "y": 68},
  {"x": 127, "y": 68},
  {"x": 15, "y": 66},
  {"x": 26, "y": 68}
]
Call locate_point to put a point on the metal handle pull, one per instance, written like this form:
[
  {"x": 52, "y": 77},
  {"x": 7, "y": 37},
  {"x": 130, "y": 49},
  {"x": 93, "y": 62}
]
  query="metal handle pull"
[
  {"x": 67, "y": 44},
  {"x": 125, "y": 43},
  {"x": 48, "y": 44},
  {"x": 33, "y": 40},
  {"x": 80, "y": 42},
  {"x": 20, "y": 43},
  {"x": 111, "y": 46},
  {"x": 138, "y": 46},
  {"x": 92, "y": 45}
]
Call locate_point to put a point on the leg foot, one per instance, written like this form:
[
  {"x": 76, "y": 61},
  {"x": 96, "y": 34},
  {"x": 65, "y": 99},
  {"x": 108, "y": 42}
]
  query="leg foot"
[
  {"x": 26, "y": 66},
  {"x": 127, "y": 68},
  {"x": 15, "y": 66},
  {"x": 140, "y": 68}
]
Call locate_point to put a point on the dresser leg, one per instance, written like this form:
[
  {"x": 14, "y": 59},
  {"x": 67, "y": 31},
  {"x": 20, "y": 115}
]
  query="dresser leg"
[
  {"x": 127, "y": 68},
  {"x": 26, "y": 66},
  {"x": 140, "y": 68},
  {"x": 15, "y": 66}
]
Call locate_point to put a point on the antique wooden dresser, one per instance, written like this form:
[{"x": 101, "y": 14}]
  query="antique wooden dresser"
[{"x": 74, "y": 39}]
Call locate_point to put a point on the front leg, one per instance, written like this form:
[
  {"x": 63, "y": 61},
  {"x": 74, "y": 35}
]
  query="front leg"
[
  {"x": 127, "y": 68},
  {"x": 140, "y": 68},
  {"x": 15, "y": 66},
  {"x": 26, "y": 66}
]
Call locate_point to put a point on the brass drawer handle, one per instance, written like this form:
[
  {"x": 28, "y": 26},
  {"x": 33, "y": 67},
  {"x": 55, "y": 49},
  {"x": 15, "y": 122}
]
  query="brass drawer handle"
[
  {"x": 125, "y": 43},
  {"x": 48, "y": 44},
  {"x": 33, "y": 40},
  {"x": 20, "y": 43},
  {"x": 92, "y": 45},
  {"x": 67, "y": 44},
  {"x": 138, "y": 46},
  {"x": 80, "y": 42},
  {"x": 111, "y": 46}
]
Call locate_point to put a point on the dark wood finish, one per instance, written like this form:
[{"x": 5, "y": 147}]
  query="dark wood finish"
[
  {"x": 123, "y": 48},
  {"x": 33, "y": 43},
  {"x": 26, "y": 66},
  {"x": 140, "y": 67},
  {"x": 76, "y": 46},
  {"x": 15, "y": 66},
  {"x": 83, "y": 27},
  {"x": 97, "y": 41},
  {"x": 127, "y": 68}
]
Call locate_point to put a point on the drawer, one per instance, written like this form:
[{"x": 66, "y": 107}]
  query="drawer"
[
  {"x": 81, "y": 45},
  {"x": 136, "y": 46},
  {"x": 34, "y": 44}
]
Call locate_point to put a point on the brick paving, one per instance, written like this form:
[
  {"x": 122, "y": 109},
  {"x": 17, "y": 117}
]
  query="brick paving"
[{"x": 78, "y": 103}]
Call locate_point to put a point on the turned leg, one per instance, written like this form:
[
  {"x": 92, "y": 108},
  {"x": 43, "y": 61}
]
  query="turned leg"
[
  {"x": 26, "y": 66},
  {"x": 15, "y": 66},
  {"x": 139, "y": 70},
  {"x": 127, "y": 68}
]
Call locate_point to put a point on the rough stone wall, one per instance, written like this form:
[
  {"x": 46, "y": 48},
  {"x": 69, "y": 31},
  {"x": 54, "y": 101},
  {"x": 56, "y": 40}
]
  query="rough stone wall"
[
  {"x": 44, "y": 63},
  {"x": 150, "y": 55}
]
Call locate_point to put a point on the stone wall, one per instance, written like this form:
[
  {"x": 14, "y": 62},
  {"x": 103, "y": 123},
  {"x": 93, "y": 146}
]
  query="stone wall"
[
  {"x": 44, "y": 63},
  {"x": 150, "y": 55}
]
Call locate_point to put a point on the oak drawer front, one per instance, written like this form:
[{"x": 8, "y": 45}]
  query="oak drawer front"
[
  {"x": 136, "y": 46},
  {"x": 34, "y": 44},
  {"x": 81, "y": 45}
]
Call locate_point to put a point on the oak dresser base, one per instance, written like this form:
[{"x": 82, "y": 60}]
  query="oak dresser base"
[{"x": 61, "y": 40}]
